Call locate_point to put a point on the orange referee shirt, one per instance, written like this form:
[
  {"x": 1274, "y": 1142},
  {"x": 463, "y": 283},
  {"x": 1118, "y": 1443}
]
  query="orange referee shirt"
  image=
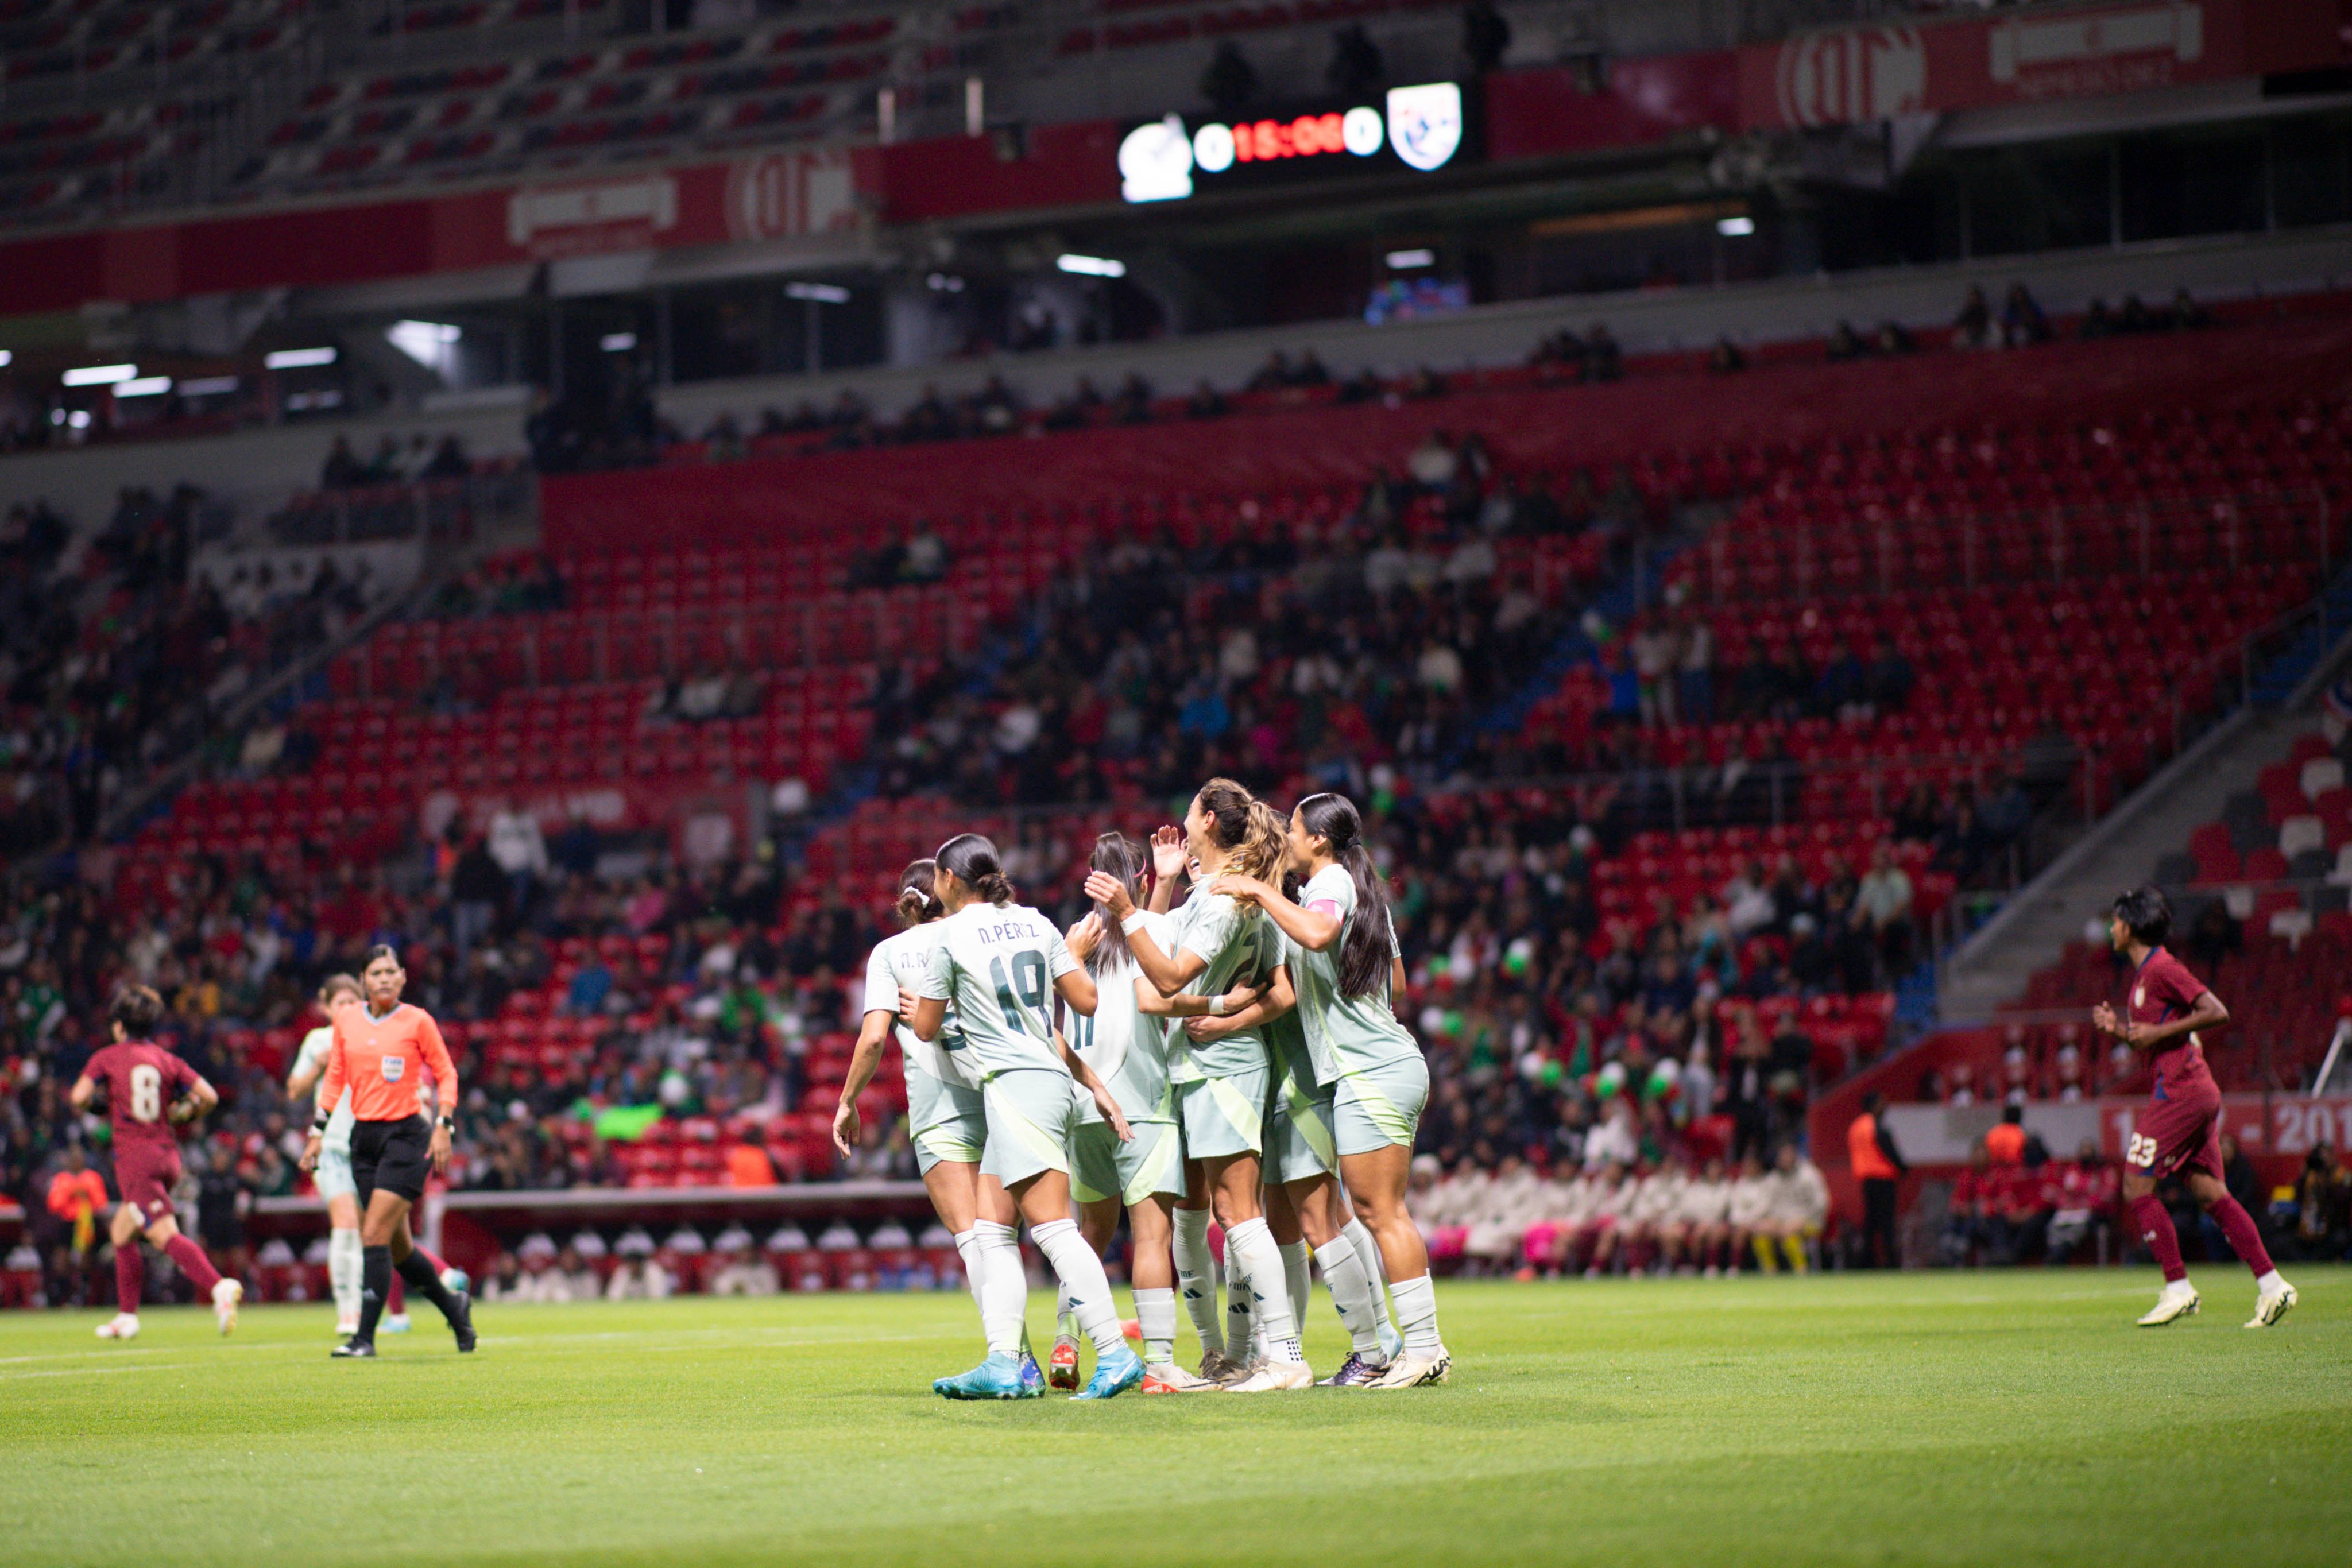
[{"x": 380, "y": 1060}]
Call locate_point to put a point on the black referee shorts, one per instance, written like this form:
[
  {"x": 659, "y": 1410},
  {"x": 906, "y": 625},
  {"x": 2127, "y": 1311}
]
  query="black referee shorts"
[{"x": 394, "y": 1156}]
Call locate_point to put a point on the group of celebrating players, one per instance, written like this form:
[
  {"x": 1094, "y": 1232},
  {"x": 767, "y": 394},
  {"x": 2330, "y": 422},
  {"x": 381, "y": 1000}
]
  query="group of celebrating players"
[{"x": 1236, "y": 1056}]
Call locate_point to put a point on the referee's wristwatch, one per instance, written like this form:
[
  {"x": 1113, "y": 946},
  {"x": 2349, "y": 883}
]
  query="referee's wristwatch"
[{"x": 445, "y": 1124}]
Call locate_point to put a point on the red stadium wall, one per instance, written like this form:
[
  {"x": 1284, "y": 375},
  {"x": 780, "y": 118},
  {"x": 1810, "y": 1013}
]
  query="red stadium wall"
[{"x": 1819, "y": 79}]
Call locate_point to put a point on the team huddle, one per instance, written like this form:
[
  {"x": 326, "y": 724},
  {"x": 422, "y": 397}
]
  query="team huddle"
[{"x": 1236, "y": 1056}]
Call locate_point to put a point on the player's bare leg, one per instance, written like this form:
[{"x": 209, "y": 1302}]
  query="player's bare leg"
[{"x": 1376, "y": 1187}]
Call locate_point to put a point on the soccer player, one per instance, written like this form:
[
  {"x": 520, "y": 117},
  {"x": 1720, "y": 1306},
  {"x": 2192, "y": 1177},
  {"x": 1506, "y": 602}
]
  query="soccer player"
[
  {"x": 338, "y": 996},
  {"x": 1221, "y": 943},
  {"x": 996, "y": 961},
  {"x": 380, "y": 1053},
  {"x": 1127, "y": 1045},
  {"x": 2164, "y": 1013},
  {"x": 149, "y": 1090},
  {"x": 1348, "y": 971},
  {"x": 945, "y": 1118},
  {"x": 1302, "y": 1159}
]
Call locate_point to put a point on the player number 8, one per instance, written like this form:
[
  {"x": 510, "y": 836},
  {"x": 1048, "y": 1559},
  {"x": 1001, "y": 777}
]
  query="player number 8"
[
  {"x": 146, "y": 1094},
  {"x": 2140, "y": 1151}
]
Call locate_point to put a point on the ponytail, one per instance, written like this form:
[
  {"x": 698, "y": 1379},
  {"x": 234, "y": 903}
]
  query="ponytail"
[
  {"x": 918, "y": 899},
  {"x": 1370, "y": 945},
  {"x": 1114, "y": 855},
  {"x": 1245, "y": 827},
  {"x": 972, "y": 861}
]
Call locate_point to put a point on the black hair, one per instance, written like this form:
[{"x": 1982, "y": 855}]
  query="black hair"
[
  {"x": 972, "y": 861},
  {"x": 1114, "y": 855},
  {"x": 1370, "y": 945},
  {"x": 380, "y": 950},
  {"x": 138, "y": 1010},
  {"x": 335, "y": 986},
  {"x": 2145, "y": 914},
  {"x": 918, "y": 900}
]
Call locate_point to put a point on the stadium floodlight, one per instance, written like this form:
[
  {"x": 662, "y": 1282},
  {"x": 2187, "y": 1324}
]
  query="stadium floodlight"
[
  {"x": 208, "y": 386},
  {"x": 100, "y": 375},
  {"x": 617, "y": 342},
  {"x": 427, "y": 343},
  {"x": 818, "y": 293},
  {"x": 79, "y": 419},
  {"x": 1406, "y": 260},
  {"x": 145, "y": 386},
  {"x": 1092, "y": 266},
  {"x": 1735, "y": 227},
  {"x": 299, "y": 359}
]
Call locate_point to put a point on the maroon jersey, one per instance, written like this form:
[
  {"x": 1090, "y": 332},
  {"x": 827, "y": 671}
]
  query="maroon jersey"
[
  {"x": 2162, "y": 991},
  {"x": 141, "y": 1079}
]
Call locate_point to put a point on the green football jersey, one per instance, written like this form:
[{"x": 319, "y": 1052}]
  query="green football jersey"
[
  {"x": 1126, "y": 1047},
  {"x": 998, "y": 963},
  {"x": 1238, "y": 944},
  {"x": 1344, "y": 1034}
]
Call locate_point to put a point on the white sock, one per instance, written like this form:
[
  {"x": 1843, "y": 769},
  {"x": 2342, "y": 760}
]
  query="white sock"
[
  {"x": 2270, "y": 1284},
  {"x": 1003, "y": 1288},
  {"x": 1376, "y": 1269},
  {"x": 1343, "y": 1272},
  {"x": 1066, "y": 1323},
  {"x": 1269, "y": 1298},
  {"x": 1083, "y": 1281},
  {"x": 968, "y": 1247},
  {"x": 2181, "y": 1287},
  {"x": 1241, "y": 1344},
  {"x": 1196, "y": 1276},
  {"x": 343, "y": 1273},
  {"x": 1416, "y": 1314},
  {"x": 1155, "y": 1313},
  {"x": 1294, "y": 1281}
]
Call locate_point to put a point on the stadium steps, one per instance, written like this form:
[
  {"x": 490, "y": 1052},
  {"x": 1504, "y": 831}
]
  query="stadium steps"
[
  {"x": 2277, "y": 686},
  {"x": 2055, "y": 907},
  {"x": 1620, "y": 599}
]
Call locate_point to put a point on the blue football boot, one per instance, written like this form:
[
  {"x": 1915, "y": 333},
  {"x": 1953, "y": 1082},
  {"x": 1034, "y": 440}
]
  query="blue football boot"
[
  {"x": 1033, "y": 1376},
  {"x": 1114, "y": 1376},
  {"x": 998, "y": 1377}
]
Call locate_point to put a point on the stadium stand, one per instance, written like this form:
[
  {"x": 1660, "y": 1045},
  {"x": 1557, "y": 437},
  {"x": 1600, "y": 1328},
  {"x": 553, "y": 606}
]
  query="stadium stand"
[{"x": 556, "y": 714}]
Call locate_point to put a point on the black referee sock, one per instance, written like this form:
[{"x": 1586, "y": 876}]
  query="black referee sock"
[
  {"x": 375, "y": 1285},
  {"x": 422, "y": 1279}
]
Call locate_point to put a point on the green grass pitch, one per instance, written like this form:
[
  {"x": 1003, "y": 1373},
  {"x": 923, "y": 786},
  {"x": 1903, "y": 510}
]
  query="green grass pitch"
[{"x": 2013, "y": 1418}]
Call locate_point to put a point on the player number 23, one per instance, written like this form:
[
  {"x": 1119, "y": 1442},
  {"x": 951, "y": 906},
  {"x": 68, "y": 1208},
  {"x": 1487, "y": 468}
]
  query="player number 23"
[{"x": 2140, "y": 1151}]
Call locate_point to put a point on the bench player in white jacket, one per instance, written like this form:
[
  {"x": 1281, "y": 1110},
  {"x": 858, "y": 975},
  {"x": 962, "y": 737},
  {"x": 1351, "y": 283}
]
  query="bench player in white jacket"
[{"x": 1700, "y": 1221}]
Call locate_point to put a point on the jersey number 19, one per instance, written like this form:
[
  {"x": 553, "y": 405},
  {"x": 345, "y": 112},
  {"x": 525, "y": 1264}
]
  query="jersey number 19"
[{"x": 1028, "y": 983}]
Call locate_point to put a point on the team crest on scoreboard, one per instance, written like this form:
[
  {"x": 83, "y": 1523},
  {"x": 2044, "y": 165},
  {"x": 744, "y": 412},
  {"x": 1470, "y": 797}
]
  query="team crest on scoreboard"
[
  {"x": 393, "y": 1066},
  {"x": 1426, "y": 123}
]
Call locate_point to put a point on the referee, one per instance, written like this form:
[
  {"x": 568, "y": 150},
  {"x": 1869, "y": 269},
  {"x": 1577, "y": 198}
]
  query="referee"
[{"x": 380, "y": 1053}]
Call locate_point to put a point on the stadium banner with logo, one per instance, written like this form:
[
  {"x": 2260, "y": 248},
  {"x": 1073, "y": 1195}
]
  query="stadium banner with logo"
[
  {"x": 1852, "y": 75},
  {"x": 766, "y": 196}
]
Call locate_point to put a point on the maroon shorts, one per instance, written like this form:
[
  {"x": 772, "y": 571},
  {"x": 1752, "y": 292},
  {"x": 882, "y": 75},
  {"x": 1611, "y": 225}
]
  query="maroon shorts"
[
  {"x": 146, "y": 1177},
  {"x": 2175, "y": 1137}
]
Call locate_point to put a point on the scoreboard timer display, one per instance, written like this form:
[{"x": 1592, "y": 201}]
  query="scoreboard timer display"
[{"x": 1415, "y": 128}]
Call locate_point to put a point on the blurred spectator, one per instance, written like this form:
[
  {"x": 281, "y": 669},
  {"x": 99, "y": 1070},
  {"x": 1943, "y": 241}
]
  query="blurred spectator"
[
  {"x": 1973, "y": 327},
  {"x": 2085, "y": 1200},
  {"x": 2023, "y": 323},
  {"x": 2323, "y": 1198}
]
